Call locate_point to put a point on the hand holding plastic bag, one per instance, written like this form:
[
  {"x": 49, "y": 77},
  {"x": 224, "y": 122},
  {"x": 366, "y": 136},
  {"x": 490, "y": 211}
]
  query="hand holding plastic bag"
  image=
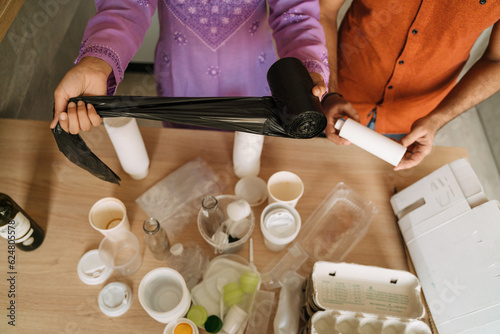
[{"x": 292, "y": 111}]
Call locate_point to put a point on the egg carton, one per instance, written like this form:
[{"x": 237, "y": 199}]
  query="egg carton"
[{"x": 350, "y": 298}]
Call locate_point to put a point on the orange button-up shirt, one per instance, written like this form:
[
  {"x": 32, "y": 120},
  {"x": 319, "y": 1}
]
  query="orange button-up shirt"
[{"x": 403, "y": 57}]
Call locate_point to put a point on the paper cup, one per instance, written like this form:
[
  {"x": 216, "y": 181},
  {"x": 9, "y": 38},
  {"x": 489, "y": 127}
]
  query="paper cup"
[
  {"x": 109, "y": 215},
  {"x": 164, "y": 295},
  {"x": 285, "y": 187}
]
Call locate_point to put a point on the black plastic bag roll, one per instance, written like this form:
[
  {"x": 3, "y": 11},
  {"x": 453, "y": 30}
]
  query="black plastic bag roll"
[{"x": 292, "y": 111}]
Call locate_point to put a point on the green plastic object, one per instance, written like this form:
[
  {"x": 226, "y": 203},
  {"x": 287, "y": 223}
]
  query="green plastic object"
[
  {"x": 198, "y": 314},
  {"x": 213, "y": 324},
  {"x": 249, "y": 281},
  {"x": 232, "y": 294}
]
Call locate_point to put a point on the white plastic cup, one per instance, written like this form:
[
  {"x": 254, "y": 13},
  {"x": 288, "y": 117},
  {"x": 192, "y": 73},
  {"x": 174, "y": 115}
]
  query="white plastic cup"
[
  {"x": 164, "y": 295},
  {"x": 285, "y": 187},
  {"x": 247, "y": 150},
  {"x": 121, "y": 252},
  {"x": 234, "y": 319},
  {"x": 108, "y": 216},
  {"x": 280, "y": 224},
  {"x": 129, "y": 146}
]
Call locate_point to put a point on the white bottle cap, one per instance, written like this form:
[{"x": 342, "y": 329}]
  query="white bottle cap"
[
  {"x": 177, "y": 249},
  {"x": 340, "y": 122},
  {"x": 92, "y": 270},
  {"x": 115, "y": 299}
]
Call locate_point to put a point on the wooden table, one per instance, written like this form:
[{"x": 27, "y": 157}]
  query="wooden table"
[{"x": 50, "y": 298}]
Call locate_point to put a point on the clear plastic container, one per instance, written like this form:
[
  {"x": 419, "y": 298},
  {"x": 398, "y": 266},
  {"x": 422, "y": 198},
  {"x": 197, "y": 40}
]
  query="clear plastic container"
[
  {"x": 230, "y": 246},
  {"x": 332, "y": 230}
]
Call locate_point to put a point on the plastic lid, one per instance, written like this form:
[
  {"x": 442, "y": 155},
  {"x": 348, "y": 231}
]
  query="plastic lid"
[
  {"x": 232, "y": 294},
  {"x": 253, "y": 189},
  {"x": 213, "y": 324},
  {"x": 177, "y": 249},
  {"x": 115, "y": 299},
  {"x": 249, "y": 281},
  {"x": 183, "y": 328},
  {"x": 197, "y": 314},
  {"x": 92, "y": 270}
]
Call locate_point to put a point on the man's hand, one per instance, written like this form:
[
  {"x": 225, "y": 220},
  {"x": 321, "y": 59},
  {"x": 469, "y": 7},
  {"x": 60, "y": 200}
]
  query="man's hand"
[
  {"x": 88, "y": 78},
  {"x": 335, "y": 107},
  {"x": 418, "y": 142}
]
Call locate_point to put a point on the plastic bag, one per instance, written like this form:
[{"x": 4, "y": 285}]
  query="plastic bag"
[{"x": 292, "y": 111}]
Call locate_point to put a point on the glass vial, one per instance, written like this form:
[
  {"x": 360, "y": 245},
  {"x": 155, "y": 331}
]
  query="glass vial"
[
  {"x": 156, "y": 238},
  {"x": 212, "y": 215},
  {"x": 17, "y": 227}
]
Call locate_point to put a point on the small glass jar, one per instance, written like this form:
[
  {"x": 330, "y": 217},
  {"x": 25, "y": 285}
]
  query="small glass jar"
[{"x": 156, "y": 238}]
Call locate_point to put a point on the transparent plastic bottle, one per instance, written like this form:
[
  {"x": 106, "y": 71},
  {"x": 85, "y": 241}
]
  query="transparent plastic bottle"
[
  {"x": 156, "y": 238},
  {"x": 212, "y": 215}
]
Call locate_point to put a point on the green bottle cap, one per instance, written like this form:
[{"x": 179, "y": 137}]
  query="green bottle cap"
[
  {"x": 213, "y": 324},
  {"x": 232, "y": 294},
  {"x": 249, "y": 281},
  {"x": 198, "y": 314}
]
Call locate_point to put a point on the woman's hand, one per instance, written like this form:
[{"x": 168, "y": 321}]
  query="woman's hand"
[{"x": 88, "y": 78}]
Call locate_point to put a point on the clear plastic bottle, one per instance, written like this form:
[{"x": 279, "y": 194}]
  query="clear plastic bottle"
[
  {"x": 212, "y": 215},
  {"x": 156, "y": 238}
]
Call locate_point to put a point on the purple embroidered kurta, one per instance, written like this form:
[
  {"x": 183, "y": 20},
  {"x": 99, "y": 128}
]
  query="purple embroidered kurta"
[{"x": 208, "y": 47}]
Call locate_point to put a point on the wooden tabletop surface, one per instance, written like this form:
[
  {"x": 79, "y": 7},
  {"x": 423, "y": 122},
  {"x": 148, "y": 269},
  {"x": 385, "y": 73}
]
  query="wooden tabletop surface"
[{"x": 50, "y": 297}]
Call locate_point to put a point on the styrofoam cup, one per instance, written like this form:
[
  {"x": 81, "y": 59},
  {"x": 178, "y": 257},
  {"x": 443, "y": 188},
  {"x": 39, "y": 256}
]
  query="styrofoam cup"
[
  {"x": 109, "y": 215},
  {"x": 164, "y": 295},
  {"x": 280, "y": 224},
  {"x": 285, "y": 187}
]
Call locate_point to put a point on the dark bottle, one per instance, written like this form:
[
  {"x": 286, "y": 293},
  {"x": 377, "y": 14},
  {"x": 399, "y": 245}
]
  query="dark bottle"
[{"x": 17, "y": 227}]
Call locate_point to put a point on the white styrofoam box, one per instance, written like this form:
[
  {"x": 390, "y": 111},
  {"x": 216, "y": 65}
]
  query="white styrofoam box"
[
  {"x": 458, "y": 264},
  {"x": 439, "y": 191},
  {"x": 358, "y": 296}
]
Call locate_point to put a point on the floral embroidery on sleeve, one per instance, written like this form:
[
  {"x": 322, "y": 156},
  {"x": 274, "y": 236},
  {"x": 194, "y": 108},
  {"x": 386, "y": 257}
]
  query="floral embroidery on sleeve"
[{"x": 144, "y": 3}]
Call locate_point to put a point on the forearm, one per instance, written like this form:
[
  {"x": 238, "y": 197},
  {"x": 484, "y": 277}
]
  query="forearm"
[
  {"x": 328, "y": 19},
  {"x": 478, "y": 84}
]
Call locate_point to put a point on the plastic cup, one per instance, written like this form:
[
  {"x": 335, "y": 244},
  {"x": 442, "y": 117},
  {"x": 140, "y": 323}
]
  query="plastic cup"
[
  {"x": 244, "y": 231},
  {"x": 109, "y": 215},
  {"x": 163, "y": 294},
  {"x": 285, "y": 187},
  {"x": 234, "y": 319},
  {"x": 121, "y": 252},
  {"x": 280, "y": 224}
]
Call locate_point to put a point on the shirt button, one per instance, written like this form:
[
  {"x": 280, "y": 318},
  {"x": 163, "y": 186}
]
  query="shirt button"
[
  {"x": 401, "y": 62},
  {"x": 414, "y": 31},
  {"x": 390, "y": 87}
]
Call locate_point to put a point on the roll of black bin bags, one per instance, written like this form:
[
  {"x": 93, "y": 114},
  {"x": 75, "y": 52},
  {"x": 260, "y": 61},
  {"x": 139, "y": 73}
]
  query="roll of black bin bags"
[{"x": 292, "y": 111}]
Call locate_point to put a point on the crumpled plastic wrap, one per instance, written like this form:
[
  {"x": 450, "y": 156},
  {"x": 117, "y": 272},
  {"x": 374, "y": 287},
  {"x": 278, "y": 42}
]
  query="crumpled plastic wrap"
[{"x": 292, "y": 111}]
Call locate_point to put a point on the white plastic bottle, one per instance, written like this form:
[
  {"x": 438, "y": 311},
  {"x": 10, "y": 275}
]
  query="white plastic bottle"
[
  {"x": 129, "y": 145},
  {"x": 247, "y": 150},
  {"x": 371, "y": 141}
]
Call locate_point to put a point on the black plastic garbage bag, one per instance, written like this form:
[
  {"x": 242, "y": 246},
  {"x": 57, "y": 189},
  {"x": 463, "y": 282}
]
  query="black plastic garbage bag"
[{"x": 292, "y": 111}]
